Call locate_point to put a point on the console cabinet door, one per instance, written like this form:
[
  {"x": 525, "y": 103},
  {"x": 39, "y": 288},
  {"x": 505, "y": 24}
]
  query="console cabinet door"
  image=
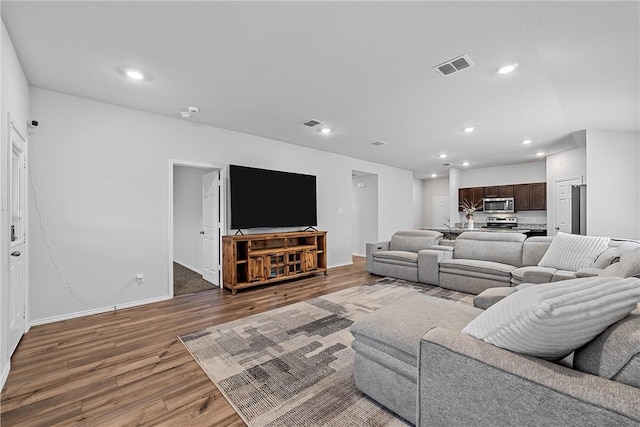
[
  {"x": 256, "y": 268},
  {"x": 310, "y": 260}
]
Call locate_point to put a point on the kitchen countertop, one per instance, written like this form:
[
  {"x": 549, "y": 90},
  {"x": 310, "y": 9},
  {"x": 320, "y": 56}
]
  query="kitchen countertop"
[{"x": 457, "y": 230}]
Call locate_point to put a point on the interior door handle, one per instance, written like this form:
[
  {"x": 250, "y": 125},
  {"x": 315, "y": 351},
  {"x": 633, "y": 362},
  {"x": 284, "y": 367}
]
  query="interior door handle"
[
  {"x": 15, "y": 253},
  {"x": 557, "y": 228},
  {"x": 202, "y": 232}
]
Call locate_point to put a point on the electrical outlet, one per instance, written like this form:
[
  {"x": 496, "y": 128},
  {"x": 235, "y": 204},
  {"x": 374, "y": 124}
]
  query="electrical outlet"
[{"x": 140, "y": 278}]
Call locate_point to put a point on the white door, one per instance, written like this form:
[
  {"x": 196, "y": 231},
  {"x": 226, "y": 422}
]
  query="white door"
[
  {"x": 18, "y": 256},
  {"x": 440, "y": 210},
  {"x": 211, "y": 227},
  {"x": 562, "y": 205}
]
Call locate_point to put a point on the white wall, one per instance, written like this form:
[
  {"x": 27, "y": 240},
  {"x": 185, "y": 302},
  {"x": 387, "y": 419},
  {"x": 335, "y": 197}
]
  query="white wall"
[
  {"x": 613, "y": 175},
  {"x": 365, "y": 212},
  {"x": 14, "y": 99},
  {"x": 568, "y": 164},
  {"x": 187, "y": 216},
  {"x": 521, "y": 173},
  {"x": 418, "y": 203},
  {"x": 101, "y": 181},
  {"x": 432, "y": 187}
]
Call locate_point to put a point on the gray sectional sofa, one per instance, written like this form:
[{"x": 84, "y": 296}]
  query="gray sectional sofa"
[
  {"x": 478, "y": 260},
  {"x": 414, "y": 358}
]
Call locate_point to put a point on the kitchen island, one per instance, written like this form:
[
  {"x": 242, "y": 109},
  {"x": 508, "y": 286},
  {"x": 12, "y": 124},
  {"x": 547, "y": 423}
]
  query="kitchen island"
[{"x": 453, "y": 232}]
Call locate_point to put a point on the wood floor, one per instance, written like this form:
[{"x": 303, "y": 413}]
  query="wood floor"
[{"x": 129, "y": 368}]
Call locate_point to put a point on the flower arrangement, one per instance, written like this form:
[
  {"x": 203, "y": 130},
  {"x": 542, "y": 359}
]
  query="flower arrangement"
[{"x": 469, "y": 208}]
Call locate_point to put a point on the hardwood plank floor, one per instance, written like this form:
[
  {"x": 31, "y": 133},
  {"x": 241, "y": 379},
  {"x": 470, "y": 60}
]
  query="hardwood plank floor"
[{"x": 129, "y": 368}]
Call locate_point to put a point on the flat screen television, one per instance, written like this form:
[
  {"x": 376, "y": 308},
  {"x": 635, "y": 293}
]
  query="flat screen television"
[{"x": 269, "y": 198}]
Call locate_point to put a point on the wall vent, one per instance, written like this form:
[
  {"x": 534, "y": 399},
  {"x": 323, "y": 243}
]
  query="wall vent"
[
  {"x": 454, "y": 65},
  {"x": 311, "y": 123}
]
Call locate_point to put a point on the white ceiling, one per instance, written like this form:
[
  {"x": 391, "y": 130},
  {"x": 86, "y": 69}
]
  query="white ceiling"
[{"x": 363, "y": 68}]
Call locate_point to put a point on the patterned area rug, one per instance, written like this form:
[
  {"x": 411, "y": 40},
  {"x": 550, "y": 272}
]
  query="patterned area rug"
[{"x": 293, "y": 366}]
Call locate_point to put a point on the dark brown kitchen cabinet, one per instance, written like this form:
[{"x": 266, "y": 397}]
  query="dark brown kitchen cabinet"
[
  {"x": 521, "y": 194},
  {"x": 473, "y": 195},
  {"x": 498, "y": 191},
  {"x": 538, "y": 196},
  {"x": 531, "y": 197}
]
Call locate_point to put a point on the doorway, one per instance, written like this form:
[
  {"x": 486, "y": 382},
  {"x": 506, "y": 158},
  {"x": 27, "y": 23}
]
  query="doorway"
[
  {"x": 197, "y": 224},
  {"x": 364, "y": 211},
  {"x": 562, "y": 204}
]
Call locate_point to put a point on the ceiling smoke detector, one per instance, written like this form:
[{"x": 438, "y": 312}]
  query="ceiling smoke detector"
[{"x": 454, "y": 65}]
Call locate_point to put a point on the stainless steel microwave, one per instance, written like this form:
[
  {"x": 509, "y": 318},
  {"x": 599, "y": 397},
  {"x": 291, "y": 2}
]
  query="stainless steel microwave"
[{"x": 498, "y": 205}]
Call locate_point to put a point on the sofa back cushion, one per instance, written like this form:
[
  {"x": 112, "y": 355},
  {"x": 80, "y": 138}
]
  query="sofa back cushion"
[
  {"x": 534, "y": 249},
  {"x": 571, "y": 252},
  {"x": 615, "y": 353},
  {"x": 505, "y": 248},
  {"x": 630, "y": 263},
  {"x": 414, "y": 240}
]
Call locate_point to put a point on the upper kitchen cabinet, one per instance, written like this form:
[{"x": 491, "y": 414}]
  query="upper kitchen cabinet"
[
  {"x": 499, "y": 191},
  {"x": 528, "y": 197},
  {"x": 538, "y": 196},
  {"x": 531, "y": 197},
  {"x": 473, "y": 195}
]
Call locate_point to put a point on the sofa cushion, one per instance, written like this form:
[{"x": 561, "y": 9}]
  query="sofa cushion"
[
  {"x": 630, "y": 263},
  {"x": 572, "y": 251},
  {"x": 563, "y": 275},
  {"x": 550, "y": 321},
  {"x": 615, "y": 353},
  {"x": 614, "y": 270},
  {"x": 606, "y": 258},
  {"x": 477, "y": 266},
  {"x": 411, "y": 257},
  {"x": 534, "y": 249},
  {"x": 396, "y": 329},
  {"x": 414, "y": 240},
  {"x": 505, "y": 248}
]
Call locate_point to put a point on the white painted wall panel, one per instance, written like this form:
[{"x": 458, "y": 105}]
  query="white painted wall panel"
[
  {"x": 613, "y": 196},
  {"x": 101, "y": 181}
]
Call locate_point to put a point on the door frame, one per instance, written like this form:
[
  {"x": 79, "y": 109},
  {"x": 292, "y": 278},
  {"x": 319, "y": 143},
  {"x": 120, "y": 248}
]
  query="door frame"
[
  {"x": 223, "y": 169},
  {"x": 12, "y": 126},
  {"x": 551, "y": 231}
]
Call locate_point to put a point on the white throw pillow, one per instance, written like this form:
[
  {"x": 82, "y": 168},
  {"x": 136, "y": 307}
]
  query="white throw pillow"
[
  {"x": 572, "y": 251},
  {"x": 551, "y": 320}
]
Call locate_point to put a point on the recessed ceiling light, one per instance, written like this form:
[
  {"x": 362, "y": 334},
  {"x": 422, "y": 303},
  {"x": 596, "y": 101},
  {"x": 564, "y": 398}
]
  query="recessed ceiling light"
[
  {"x": 540, "y": 153},
  {"x": 326, "y": 131},
  {"x": 433, "y": 175},
  {"x": 527, "y": 141},
  {"x": 379, "y": 143},
  {"x": 185, "y": 114},
  {"x": 443, "y": 155},
  {"x": 465, "y": 163},
  {"x": 506, "y": 69},
  {"x": 134, "y": 74},
  {"x": 469, "y": 129}
]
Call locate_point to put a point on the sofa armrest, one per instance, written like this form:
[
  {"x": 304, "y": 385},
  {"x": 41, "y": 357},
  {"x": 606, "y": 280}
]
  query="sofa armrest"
[
  {"x": 589, "y": 272},
  {"x": 465, "y": 381},
  {"x": 541, "y": 275},
  {"x": 429, "y": 264},
  {"x": 372, "y": 248}
]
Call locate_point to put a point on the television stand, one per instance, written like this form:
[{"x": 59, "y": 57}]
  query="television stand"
[{"x": 258, "y": 259}]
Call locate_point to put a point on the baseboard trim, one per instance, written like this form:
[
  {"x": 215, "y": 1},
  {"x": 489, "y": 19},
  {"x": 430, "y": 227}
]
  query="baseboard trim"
[
  {"x": 189, "y": 267},
  {"x": 116, "y": 307},
  {"x": 360, "y": 255},
  {"x": 5, "y": 375},
  {"x": 340, "y": 265}
]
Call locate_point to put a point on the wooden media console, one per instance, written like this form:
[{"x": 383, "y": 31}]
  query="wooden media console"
[{"x": 257, "y": 259}]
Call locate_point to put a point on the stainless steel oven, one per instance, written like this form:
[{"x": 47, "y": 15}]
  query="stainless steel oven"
[{"x": 498, "y": 205}]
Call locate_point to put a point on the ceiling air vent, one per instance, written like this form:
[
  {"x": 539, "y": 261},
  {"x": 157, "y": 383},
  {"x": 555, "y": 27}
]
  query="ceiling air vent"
[
  {"x": 454, "y": 65},
  {"x": 311, "y": 123}
]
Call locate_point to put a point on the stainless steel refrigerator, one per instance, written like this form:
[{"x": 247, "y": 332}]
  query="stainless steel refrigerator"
[{"x": 579, "y": 209}]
